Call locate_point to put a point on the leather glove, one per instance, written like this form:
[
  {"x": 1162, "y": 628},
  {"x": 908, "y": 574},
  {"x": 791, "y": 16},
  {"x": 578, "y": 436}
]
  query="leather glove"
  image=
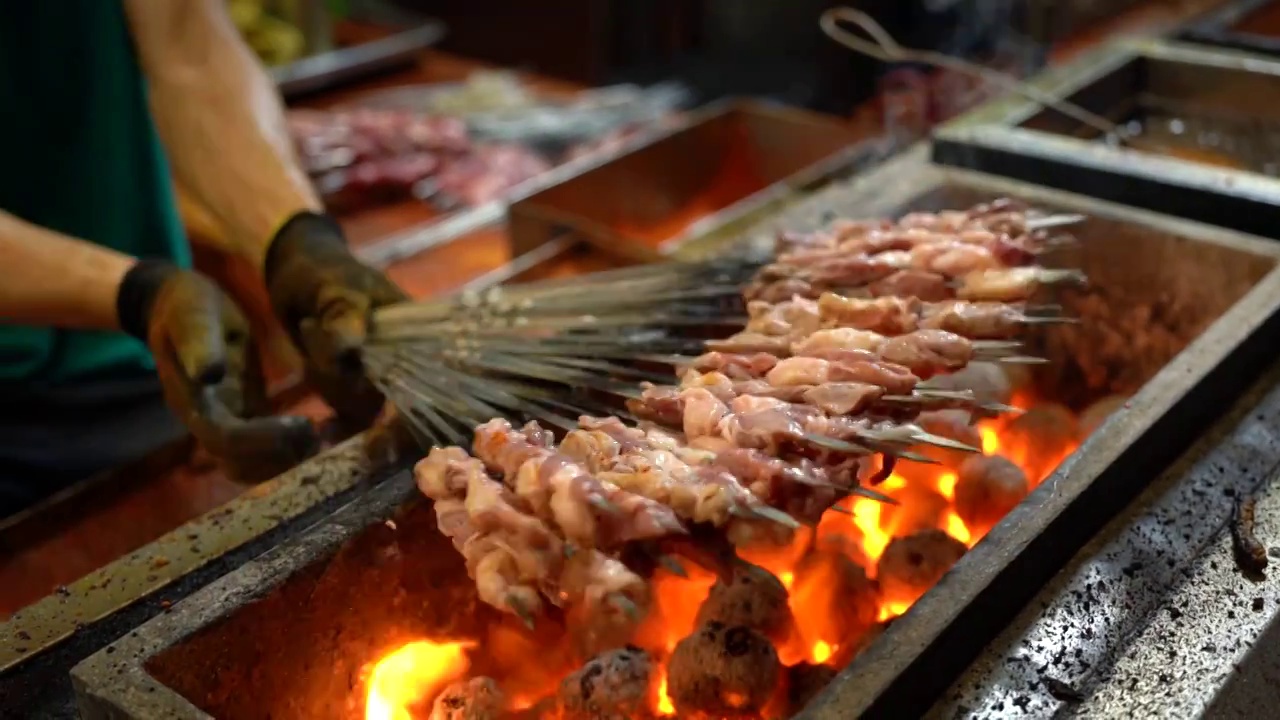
[
  {"x": 325, "y": 299},
  {"x": 207, "y": 366}
]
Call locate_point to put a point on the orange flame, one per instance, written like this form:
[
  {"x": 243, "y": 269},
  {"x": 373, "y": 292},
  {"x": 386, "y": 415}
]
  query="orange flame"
[{"x": 413, "y": 675}]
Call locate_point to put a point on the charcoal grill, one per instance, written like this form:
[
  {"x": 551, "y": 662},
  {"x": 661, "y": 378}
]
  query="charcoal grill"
[
  {"x": 1248, "y": 25},
  {"x": 1214, "y": 115},
  {"x": 285, "y": 634}
]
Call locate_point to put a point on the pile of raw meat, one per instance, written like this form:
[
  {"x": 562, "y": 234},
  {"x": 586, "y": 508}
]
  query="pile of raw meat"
[{"x": 361, "y": 156}]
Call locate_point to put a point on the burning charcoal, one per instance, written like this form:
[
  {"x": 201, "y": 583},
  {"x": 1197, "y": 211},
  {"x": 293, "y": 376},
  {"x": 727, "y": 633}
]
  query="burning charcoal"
[
  {"x": 754, "y": 599},
  {"x": 912, "y": 565},
  {"x": 987, "y": 488},
  {"x": 840, "y": 602},
  {"x": 1047, "y": 432},
  {"x": 475, "y": 699},
  {"x": 616, "y": 685},
  {"x": 804, "y": 681},
  {"x": 987, "y": 381},
  {"x": 919, "y": 508},
  {"x": 723, "y": 671},
  {"x": 1097, "y": 413}
]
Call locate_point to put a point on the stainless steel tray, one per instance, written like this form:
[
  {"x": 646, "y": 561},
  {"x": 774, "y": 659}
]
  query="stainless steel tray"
[
  {"x": 1218, "y": 105},
  {"x": 336, "y": 67},
  {"x": 654, "y": 198}
]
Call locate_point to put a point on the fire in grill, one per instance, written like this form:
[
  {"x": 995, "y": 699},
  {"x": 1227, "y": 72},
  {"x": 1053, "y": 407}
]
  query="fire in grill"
[
  {"x": 763, "y": 443},
  {"x": 338, "y": 638}
]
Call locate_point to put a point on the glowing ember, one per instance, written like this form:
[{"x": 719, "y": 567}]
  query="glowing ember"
[
  {"x": 412, "y": 676},
  {"x": 822, "y": 652}
]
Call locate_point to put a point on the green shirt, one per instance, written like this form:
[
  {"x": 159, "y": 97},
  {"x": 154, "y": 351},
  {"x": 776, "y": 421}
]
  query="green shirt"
[{"x": 81, "y": 156}]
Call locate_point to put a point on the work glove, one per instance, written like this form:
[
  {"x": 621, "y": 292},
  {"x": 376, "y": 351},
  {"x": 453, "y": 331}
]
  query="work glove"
[
  {"x": 208, "y": 369},
  {"x": 325, "y": 299}
]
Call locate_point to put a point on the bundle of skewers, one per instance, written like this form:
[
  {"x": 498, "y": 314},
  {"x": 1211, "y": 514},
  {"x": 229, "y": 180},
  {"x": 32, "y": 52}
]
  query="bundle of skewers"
[{"x": 584, "y": 433}]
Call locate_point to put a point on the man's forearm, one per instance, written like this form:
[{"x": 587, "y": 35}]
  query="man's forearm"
[
  {"x": 52, "y": 280},
  {"x": 220, "y": 118}
]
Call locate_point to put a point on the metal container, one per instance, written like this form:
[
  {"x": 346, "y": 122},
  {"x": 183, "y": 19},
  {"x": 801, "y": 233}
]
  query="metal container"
[
  {"x": 730, "y": 161},
  {"x": 335, "y": 67},
  {"x": 1215, "y": 112},
  {"x": 223, "y": 644},
  {"x": 1238, "y": 26}
]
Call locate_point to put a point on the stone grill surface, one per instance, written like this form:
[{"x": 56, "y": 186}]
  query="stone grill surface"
[{"x": 286, "y": 635}]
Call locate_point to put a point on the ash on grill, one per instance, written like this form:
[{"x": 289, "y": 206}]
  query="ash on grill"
[{"x": 781, "y": 498}]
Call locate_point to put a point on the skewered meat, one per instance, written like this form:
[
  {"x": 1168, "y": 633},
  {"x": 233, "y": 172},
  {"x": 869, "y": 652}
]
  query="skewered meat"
[
  {"x": 762, "y": 423},
  {"x": 736, "y": 366},
  {"x": 728, "y": 486},
  {"x": 752, "y": 598},
  {"x": 799, "y": 317},
  {"x": 987, "y": 488},
  {"x": 626, "y": 457},
  {"x": 1015, "y": 284},
  {"x": 512, "y": 555},
  {"x": 833, "y": 398},
  {"x": 723, "y": 671},
  {"x": 843, "y": 366},
  {"x": 616, "y": 685},
  {"x": 502, "y": 580},
  {"x": 925, "y": 353},
  {"x": 1012, "y": 284},
  {"x": 919, "y": 284},
  {"x": 589, "y": 512},
  {"x": 913, "y": 564},
  {"x": 476, "y": 699}
]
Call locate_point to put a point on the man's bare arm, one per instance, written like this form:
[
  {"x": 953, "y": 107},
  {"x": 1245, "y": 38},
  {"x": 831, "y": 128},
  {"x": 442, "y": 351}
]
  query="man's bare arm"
[
  {"x": 220, "y": 118},
  {"x": 53, "y": 280}
]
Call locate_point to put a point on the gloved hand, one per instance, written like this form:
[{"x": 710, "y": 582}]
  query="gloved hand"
[
  {"x": 325, "y": 299},
  {"x": 208, "y": 368}
]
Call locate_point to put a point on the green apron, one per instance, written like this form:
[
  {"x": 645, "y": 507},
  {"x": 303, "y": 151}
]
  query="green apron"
[{"x": 81, "y": 156}]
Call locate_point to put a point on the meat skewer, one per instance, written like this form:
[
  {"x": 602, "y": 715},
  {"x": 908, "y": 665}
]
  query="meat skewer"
[
  {"x": 925, "y": 353},
  {"x": 791, "y": 384},
  {"x": 892, "y": 316},
  {"x": 589, "y": 513},
  {"x": 772, "y": 425},
  {"x": 515, "y": 558},
  {"x": 996, "y": 285},
  {"x": 502, "y": 580},
  {"x": 715, "y": 482}
]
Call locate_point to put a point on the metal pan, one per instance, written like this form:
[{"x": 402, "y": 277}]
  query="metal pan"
[{"x": 1225, "y": 118}]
